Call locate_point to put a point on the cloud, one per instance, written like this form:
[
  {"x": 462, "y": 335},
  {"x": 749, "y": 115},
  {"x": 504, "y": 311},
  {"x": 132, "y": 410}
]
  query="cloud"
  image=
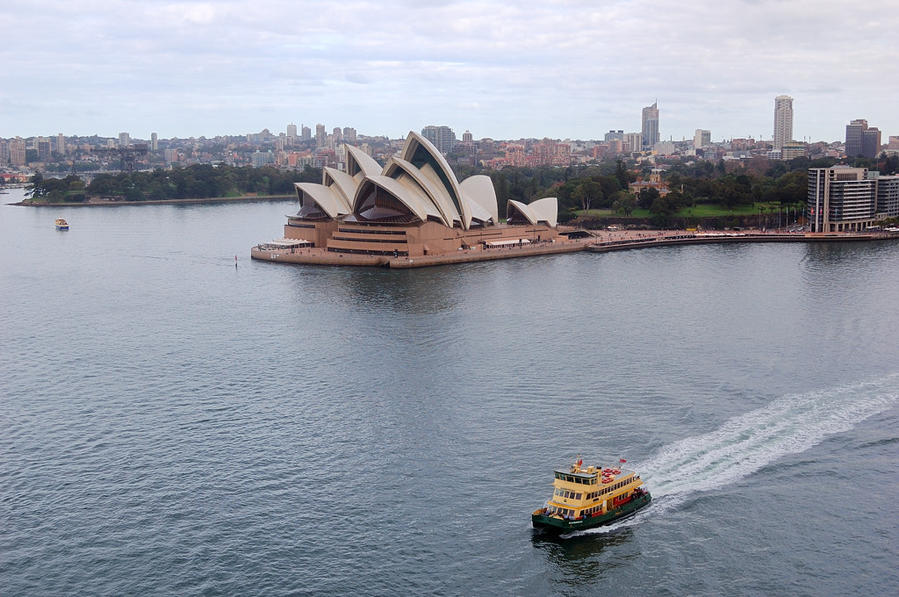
[{"x": 510, "y": 69}]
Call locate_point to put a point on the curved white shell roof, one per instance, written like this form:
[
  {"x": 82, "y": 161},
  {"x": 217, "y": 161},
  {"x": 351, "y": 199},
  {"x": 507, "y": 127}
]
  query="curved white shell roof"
[
  {"x": 435, "y": 193},
  {"x": 416, "y": 203},
  {"x": 422, "y": 180},
  {"x": 437, "y": 169},
  {"x": 359, "y": 161},
  {"x": 478, "y": 191},
  {"x": 327, "y": 198},
  {"x": 542, "y": 210}
]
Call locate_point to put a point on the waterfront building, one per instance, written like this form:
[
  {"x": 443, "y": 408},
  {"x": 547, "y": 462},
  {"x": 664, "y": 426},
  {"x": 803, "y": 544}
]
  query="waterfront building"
[
  {"x": 843, "y": 199},
  {"x": 702, "y": 138},
  {"x": 650, "y": 130},
  {"x": 154, "y": 142},
  {"x": 783, "y": 120},
  {"x": 442, "y": 137},
  {"x": 4, "y": 153},
  {"x": 888, "y": 196},
  {"x": 413, "y": 206}
]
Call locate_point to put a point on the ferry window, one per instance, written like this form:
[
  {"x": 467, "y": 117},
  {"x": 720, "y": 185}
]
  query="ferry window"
[{"x": 577, "y": 496}]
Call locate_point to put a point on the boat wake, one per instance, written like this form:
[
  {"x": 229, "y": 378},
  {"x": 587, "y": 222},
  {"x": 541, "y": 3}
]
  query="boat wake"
[{"x": 751, "y": 441}]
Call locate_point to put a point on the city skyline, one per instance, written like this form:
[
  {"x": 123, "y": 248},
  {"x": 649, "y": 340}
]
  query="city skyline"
[{"x": 187, "y": 69}]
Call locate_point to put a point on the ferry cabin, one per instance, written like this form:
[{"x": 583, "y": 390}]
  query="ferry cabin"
[{"x": 591, "y": 491}]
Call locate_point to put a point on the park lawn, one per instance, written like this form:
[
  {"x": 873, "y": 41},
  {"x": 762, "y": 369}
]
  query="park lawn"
[{"x": 700, "y": 210}]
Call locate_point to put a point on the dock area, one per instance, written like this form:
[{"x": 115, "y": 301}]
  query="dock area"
[{"x": 594, "y": 241}]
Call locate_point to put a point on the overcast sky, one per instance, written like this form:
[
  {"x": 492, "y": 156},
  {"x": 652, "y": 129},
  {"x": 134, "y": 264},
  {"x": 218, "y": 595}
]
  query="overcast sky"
[{"x": 553, "y": 68}]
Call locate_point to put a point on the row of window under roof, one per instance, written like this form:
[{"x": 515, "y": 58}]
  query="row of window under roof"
[{"x": 593, "y": 495}]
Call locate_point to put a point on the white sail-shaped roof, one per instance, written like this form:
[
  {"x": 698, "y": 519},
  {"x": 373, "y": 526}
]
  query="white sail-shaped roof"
[
  {"x": 342, "y": 182},
  {"x": 422, "y": 154},
  {"x": 357, "y": 161},
  {"x": 436, "y": 193},
  {"x": 542, "y": 210},
  {"x": 328, "y": 199},
  {"x": 481, "y": 197},
  {"x": 416, "y": 202}
]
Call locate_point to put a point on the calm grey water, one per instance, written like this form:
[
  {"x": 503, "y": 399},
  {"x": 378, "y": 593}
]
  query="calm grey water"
[{"x": 175, "y": 425}]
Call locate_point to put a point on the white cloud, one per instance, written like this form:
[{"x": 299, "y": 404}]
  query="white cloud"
[{"x": 501, "y": 69}]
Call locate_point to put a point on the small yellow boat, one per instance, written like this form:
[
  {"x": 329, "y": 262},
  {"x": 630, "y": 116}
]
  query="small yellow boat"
[{"x": 61, "y": 224}]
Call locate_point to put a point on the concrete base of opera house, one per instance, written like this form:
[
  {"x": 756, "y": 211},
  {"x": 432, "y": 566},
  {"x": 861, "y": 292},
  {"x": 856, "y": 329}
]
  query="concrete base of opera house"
[{"x": 316, "y": 256}]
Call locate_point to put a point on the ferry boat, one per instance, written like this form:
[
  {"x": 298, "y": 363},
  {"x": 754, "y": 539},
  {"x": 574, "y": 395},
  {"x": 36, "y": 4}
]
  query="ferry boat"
[
  {"x": 61, "y": 224},
  {"x": 590, "y": 496}
]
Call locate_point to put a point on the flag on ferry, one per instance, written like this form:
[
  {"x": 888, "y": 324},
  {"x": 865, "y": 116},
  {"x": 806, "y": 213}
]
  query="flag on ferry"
[{"x": 622, "y": 460}]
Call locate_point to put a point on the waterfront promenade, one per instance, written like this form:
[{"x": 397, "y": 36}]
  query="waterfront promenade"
[{"x": 600, "y": 241}]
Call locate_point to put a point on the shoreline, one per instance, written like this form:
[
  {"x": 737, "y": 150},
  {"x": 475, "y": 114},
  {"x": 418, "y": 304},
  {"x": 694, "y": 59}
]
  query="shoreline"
[
  {"x": 102, "y": 203},
  {"x": 603, "y": 244}
]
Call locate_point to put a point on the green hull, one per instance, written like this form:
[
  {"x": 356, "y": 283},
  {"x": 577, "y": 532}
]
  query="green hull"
[{"x": 557, "y": 525}]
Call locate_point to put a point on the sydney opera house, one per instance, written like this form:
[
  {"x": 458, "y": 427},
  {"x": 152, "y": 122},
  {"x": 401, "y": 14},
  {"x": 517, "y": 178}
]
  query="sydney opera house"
[{"x": 411, "y": 209}]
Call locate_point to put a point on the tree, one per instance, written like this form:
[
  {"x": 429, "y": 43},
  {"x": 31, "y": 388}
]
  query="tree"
[
  {"x": 647, "y": 197},
  {"x": 624, "y": 203}
]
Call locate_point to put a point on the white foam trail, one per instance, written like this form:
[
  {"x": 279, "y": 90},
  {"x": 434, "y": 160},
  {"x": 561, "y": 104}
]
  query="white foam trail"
[{"x": 751, "y": 441}]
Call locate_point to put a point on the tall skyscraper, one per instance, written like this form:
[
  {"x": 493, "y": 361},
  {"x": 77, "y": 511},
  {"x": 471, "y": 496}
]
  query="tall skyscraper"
[
  {"x": 60, "y": 144},
  {"x": 783, "y": 120},
  {"x": 443, "y": 137},
  {"x": 321, "y": 137},
  {"x": 349, "y": 135},
  {"x": 4, "y": 153},
  {"x": 306, "y": 133},
  {"x": 291, "y": 131},
  {"x": 650, "y": 125},
  {"x": 154, "y": 142}
]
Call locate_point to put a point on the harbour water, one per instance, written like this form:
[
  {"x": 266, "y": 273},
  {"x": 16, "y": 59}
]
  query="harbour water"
[{"x": 174, "y": 423}]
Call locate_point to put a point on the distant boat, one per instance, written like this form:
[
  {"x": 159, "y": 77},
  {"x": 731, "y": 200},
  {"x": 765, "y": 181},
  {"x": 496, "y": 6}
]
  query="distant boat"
[{"x": 61, "y": 224}]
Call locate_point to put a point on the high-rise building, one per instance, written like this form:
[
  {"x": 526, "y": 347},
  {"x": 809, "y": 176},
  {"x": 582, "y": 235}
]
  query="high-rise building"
[
  {"x": 613, "y": 134},
  {"x": 650, "y": 125},
  {"x": 321, "y": 137},
  {"x": 443, "y": 137},
  {"x": 17, "y": 151},
  {"x": 702, "y": 138},
  {"x": 843, "y": 199},
  {"x": 632, "y": 142},
  {"x": 60, "y": 144},
  {"x": 43, "y": 149},
  {"x": 783, "y": 120},
  {"x": 349, "y": 135},
  {"x": 862, "y": 140},
  {"x": 871, "y": 142},
  {"x": 154, "y": 142},
  {"x": 291, "y": 131},
  {"x": 894, "y": 142},
  {"x": 4, "y": 153},
  {"x": 124, "y": 139},
  {"x": 306, "y": 133},
  {"x": 467, "y": 137}
]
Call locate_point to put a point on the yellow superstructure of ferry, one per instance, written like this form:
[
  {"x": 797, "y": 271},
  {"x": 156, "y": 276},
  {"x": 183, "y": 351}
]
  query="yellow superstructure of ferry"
[{"x": 589, "y": 496}]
